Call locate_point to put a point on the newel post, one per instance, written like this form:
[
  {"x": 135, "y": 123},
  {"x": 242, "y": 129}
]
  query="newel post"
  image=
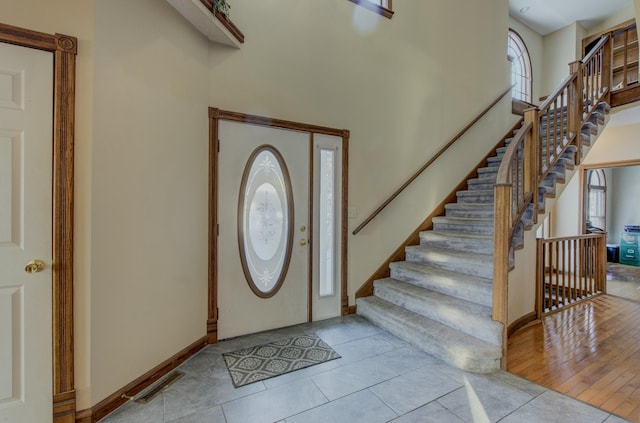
[
  {"x": 531, "y": 160},
  {"x": 502, "y": 222},
  {"x": 575, "y": 106}
]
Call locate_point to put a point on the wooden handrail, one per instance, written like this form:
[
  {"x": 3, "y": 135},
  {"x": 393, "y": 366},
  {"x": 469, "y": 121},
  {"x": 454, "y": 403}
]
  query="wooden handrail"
[
  {"x": 503, "y": 170},
  {"x": 535, "y": 150},
  {"x": 429, "y": 162},
  {"x": 604, "y": 39},
  {"x": 551, "y": 97}
]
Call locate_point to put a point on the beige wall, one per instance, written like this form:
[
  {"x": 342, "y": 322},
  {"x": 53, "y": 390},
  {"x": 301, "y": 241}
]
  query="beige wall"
[
  {"x": 618, "y": 144},
  {"x": 622, "y": 15},
  {"x": 149, "y": 190},
  {"x": 399, "y": 89},
  {"x": 624, "y": 195},
  {"x": 560, "y": 48},
  {"x": 145, "y": 80},
  {"x": 534, "y": 43}
]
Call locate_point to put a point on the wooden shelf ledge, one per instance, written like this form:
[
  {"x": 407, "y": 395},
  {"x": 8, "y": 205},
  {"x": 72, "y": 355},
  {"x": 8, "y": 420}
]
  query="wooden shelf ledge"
[{"x": 211, "y": 23}]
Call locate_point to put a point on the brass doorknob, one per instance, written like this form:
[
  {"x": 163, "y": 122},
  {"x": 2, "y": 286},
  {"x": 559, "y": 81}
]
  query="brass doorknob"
[
  {"x": 34, "y": 266},
  {"x": 303, "y": 241}
]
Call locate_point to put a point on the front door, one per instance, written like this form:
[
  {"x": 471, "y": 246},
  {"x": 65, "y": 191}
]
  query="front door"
[
  {"x": 26, "y": 98},
  {"x": 263, "y": 217}
]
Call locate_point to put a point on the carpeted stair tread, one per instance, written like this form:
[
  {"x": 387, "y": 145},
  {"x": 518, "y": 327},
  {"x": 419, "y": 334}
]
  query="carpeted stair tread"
[
  {"x": 466, "y": 316},
  {"x": 466, "y": 287},
  {"x": 440, "y": 298},
  {"x": 454, "y": 347},
  {"x": 461, "y": 241},
  {"x": 473, "y": 264}
]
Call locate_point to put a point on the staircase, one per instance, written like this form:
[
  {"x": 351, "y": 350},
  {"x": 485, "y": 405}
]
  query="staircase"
[{"x": 440, "y": 298}]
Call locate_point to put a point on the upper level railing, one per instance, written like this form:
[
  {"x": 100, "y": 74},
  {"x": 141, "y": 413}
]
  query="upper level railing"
[
  {"x": 429, "y": 162},
  {"x": 536, "y": 149}
]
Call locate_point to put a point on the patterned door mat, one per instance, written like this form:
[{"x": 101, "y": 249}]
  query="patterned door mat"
[{"x": 262, "y": 362}]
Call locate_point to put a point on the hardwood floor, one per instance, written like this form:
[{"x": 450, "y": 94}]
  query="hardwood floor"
[
  {"x": 590, "y": 351},
  {"x": 623, "y": 281}
]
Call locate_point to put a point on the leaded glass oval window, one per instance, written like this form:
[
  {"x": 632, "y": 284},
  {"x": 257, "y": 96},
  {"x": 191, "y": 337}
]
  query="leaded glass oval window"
[{"x": 265, "y": 221}]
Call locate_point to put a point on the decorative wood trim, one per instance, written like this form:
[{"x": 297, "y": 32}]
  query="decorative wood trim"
[
  {"x": 225, "y": 21},
  {"x": 625, "y": 96},
  {"x": 522, "y": 321},
  {"x": 592, "y": 38},
  {"x": 366, "y": 289},
  {"x": 621, "y": 163},
  {"x": 376, "y": 8},
  {"x": 214, "y": 147},
  {"x": 290, "y": 217},
  {"x": 118, "y": 398},
  {"x": 345, "y": 224},
  {"x": 215, "y": 115},
  {"x": 276, "y": 123},
  {"x": 310, "y": 230},
  {"x": 64, "y": 49}
]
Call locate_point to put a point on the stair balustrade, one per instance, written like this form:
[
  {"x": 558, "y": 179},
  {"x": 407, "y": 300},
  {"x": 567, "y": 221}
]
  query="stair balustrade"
[
  {"x": 569, "y": 270},
  {"x": 536, "y": 149}
]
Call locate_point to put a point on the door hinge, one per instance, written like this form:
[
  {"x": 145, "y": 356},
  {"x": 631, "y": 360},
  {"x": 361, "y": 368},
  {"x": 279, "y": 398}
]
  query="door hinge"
[
  {"x": 217, "y": 312},
  {"x": 217, "y": 229},
  {"x": 218, "y": 146}
]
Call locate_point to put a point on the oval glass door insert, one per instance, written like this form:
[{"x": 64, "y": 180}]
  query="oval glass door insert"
[{"x": 265, "y": 221}]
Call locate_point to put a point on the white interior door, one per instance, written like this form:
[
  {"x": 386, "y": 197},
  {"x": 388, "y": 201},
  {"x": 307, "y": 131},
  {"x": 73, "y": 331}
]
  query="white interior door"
[
  {"x": 26, "y": 97},
  {"x": 263, "y": 228}
]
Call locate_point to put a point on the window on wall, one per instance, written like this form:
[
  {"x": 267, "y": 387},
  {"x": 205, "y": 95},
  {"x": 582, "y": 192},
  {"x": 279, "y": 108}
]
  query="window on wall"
[
  {"x": 520, "y": 67},
  {"x": 381, "y": 7},
  {"x": 596, "y": 201}
]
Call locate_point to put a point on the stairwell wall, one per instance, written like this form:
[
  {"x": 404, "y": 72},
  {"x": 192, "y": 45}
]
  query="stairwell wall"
[{"x": 403, "y": 87}]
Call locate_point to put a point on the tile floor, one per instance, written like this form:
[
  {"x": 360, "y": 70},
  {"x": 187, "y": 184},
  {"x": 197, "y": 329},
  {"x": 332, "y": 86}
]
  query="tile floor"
[{"x": 378, "y": 379}]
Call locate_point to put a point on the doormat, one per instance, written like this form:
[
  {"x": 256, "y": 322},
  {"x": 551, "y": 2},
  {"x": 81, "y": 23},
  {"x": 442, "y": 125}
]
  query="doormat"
[{"x": 262, "y": 362}]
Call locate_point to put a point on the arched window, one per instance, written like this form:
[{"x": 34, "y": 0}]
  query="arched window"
[
  {"x": 595, "y": 200},
  {"x": 518, "y": 56}
]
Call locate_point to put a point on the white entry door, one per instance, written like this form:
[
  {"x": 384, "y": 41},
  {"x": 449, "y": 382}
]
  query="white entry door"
[
  {"x": 26, "y": 98},
  {"x": 263, "y": 217}
]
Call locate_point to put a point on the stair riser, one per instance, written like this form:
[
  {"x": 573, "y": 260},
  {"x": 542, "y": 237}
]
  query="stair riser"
[
  {"x": 441, "y": 260},
  {"x": 480, "y": 246},
  {"x": 476, "y": 228},
  {"x": 461, "y": 288},
  {"x": 481, "y": 327},
  {"x": 472, "y": 197},
  {"x": 461, "y": 357},
  {"x": 470, "y": 213}
]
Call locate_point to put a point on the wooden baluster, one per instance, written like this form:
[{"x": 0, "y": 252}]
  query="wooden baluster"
[
  {"x": 549, "y": 283},
  {"x": 540, "y": 260},
  {"x": 575, "y": 269},
  {"x": 625, "y": 59},
  {"x": 607, "y": 75},
  {"x": 531, "y": 171},
  {"x": 575, "y": 106},
  {"x": 603, "y": 263},
  {"x": 557, "y": 269}
]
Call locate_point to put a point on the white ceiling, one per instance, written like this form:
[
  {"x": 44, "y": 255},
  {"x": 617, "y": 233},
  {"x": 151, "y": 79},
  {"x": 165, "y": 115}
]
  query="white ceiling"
[{"x": 546, "y": 16}]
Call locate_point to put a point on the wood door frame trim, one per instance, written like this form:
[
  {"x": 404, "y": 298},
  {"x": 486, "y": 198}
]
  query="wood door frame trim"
[
  {"x": 64, "y": 49},
  {"x": 215, "y": 116}
]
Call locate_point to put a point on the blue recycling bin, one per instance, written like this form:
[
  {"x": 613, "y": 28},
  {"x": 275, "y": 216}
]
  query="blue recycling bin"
[{"x": 630, "y": 246}]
